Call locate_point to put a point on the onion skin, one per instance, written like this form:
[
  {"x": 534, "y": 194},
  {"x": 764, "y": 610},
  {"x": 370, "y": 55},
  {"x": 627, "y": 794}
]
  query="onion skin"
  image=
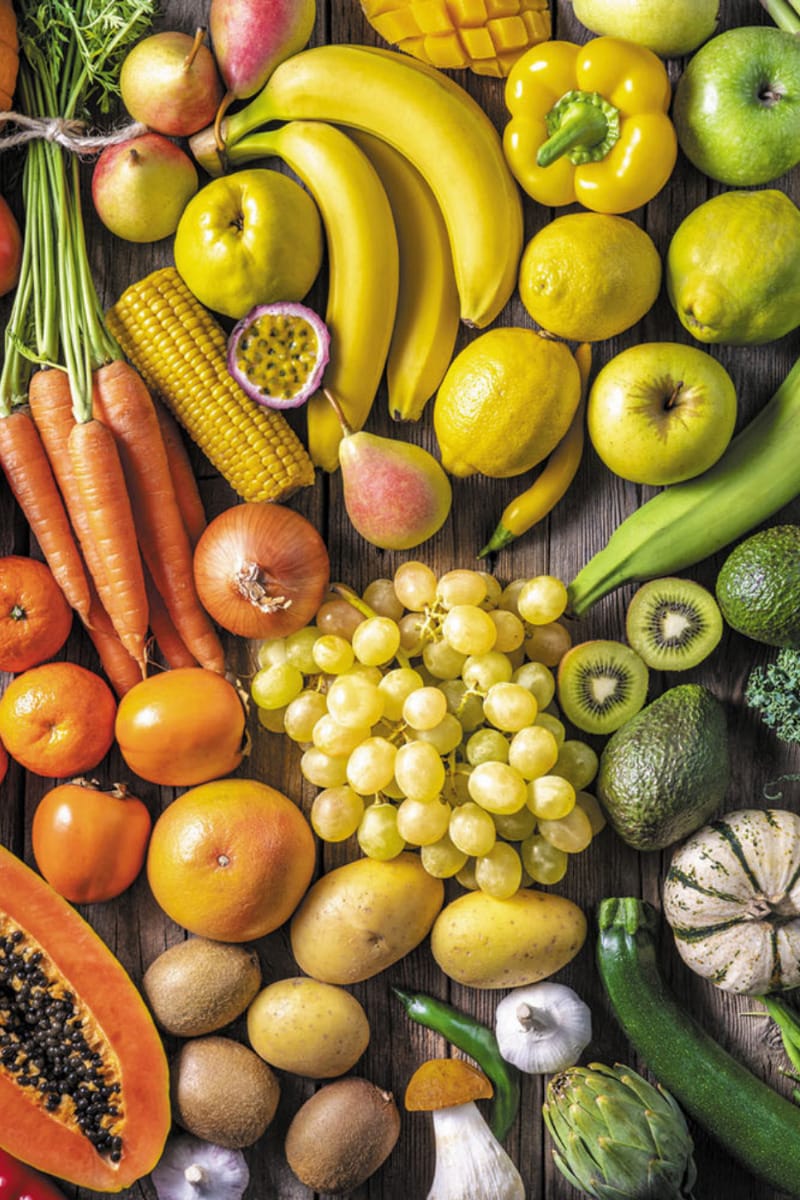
[{"x": 261, "y": 570}]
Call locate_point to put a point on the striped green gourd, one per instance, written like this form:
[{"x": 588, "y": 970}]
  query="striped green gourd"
[{"x": 732, "y": 897}]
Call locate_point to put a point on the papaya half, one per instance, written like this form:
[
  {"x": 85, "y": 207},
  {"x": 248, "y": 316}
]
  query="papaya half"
[{"x": 84, "y": 1081}]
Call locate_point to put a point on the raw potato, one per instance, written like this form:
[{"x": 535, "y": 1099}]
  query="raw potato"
[
  {"x": 197, "y": 986},
  {"x": 340, "y": 1137},
  {"x": 362, "y": 917},
  {"x": 487, "y": 943},
  {"x": 308, "y": 1028}
]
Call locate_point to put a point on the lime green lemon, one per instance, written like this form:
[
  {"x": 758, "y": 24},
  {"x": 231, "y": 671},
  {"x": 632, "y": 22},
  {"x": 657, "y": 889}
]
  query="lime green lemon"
[
  {"x": 506, "y": 401},
  {"x": 589, "y": 276}
]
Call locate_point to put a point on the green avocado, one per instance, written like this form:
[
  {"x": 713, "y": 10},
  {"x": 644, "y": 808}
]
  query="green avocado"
[
  {"x": 667, "y": 769},
  {"x": 758, "y": 587}
]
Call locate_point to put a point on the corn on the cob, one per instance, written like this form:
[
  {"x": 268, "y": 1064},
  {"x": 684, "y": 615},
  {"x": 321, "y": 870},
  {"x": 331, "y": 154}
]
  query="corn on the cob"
[{"x": 180, "y": 350}]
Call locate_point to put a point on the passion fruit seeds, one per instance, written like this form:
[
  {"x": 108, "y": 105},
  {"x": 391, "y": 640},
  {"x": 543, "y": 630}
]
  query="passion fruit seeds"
[{"x": 278, "y": 354}]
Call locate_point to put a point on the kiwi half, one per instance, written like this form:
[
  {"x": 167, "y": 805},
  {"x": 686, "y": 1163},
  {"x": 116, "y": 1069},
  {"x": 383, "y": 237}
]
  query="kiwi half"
[
  {"x": 601, "y": 684},
  {"x": 673, "y": 624}
]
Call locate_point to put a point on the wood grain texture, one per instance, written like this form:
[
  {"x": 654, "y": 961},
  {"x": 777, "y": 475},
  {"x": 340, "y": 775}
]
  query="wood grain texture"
[{"x": 133, "y": 925}]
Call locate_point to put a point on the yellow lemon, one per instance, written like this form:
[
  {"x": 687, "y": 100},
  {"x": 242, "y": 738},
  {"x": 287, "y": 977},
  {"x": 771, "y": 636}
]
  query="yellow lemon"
[
  {"x": 589, "y": 276},
  {"x": 506, "y": 401}
]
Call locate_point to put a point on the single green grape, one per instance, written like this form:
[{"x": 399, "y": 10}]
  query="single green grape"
[
  {"x": 421, "y": 822},
  {"x": 370, "y": 767},
  {"x": 469, "y": 630},
  {"x": 570, "y": 833},
  {"x": 445, "y": 736},
  {"x": 323, "y": 770},
  {"x": 545, "y": 863},
  {"x": 332, "y": 738},
  {"x": 376, "y": 641},
  {"x": 415, "y": 585},
  {"x": 461, "y": 586},
  {"x": 302, "y": 714},
  {"x": 442, "y": 859},
  {"x": 550, "y": 797},
  {"x": 275, "y": 686},
  {"x": 481, "y": 671},
  {"x": 509, "y": 707},
  {"x": 542, "y": 600},
  {"x": 497, "y": 787},
  {"x": 533, "y": 751},
  {"x": 539, "y": 680},
  {"x": 395, "y": 686},
  {"x": 419, "y": 770},
  {"x": 577, "y": 762},
  {"x": 336, "y": 813},
  {"x": 499, "y": 873},
  {"x": 332, "y": 654},
  {"x": 377, "y": 832},
  {"x": 300, "y": 647},
  {"x": 486, "y": 745},
  {"x": 472, "y": 829}
]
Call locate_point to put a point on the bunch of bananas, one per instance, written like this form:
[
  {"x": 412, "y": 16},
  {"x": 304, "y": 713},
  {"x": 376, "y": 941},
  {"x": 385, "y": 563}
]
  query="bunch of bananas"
[{"x": 422, "y": 217}]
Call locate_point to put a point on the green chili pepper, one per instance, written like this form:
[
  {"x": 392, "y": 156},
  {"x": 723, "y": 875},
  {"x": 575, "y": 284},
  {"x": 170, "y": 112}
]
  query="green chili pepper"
[{"x": 479, "y": 1042}]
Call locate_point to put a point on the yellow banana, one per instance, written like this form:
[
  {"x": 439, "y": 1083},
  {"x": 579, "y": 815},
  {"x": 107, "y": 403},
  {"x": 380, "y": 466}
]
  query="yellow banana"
[
  {"x": 427, "y": 307},
  {"x": 431, "y": 120},
  {"x": 363, "y": 268}
]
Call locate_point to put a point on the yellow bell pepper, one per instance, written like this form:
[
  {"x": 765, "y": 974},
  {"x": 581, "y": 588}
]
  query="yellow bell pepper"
[{"x": 589, "y": 124}]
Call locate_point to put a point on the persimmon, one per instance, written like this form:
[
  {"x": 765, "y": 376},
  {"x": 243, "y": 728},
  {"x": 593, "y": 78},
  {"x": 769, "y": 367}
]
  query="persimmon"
[
  {"x": 181, "y": 727},
  {"x": 90, "y": 844},
  {"x": 231, "y": 860},
  {"x": 35, "y": 618},
  {"x": 57, "y": 719}
]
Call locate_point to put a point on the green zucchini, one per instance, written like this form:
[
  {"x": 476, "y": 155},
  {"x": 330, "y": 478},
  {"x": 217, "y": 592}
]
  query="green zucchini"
[{"x": 756, "y": 1125}]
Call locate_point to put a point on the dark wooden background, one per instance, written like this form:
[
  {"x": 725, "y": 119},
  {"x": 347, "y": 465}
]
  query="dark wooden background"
[{"x": 136, "y": 929}]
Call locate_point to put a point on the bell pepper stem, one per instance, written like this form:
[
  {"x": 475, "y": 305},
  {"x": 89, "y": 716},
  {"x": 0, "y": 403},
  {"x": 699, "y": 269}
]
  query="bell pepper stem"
[{"x": 580, "y": 124}]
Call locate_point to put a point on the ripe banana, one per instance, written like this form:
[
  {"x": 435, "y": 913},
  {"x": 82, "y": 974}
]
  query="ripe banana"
[
  {"x": 363, "y": 268},
  {"x": 433, "y": 122},
  {"x": 687, "y": 522},
  {"x": 427, "y": 321}
]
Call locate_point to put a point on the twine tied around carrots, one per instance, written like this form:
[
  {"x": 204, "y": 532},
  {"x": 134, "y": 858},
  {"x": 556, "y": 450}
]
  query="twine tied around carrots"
[{"x": 71, "y": 135}]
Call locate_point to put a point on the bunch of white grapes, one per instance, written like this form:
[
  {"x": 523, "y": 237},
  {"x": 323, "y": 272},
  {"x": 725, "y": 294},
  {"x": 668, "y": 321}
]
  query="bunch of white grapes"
[{"x": 425, "y": 712}]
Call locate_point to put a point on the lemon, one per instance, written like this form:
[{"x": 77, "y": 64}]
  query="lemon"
[
  {"x": 506, "y": 401},
  {"x": 589, "y": 276}
]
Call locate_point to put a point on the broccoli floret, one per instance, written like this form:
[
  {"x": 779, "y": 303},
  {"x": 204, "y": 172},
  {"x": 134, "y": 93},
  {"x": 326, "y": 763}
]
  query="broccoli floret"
[{"x": 774, "y": 691}]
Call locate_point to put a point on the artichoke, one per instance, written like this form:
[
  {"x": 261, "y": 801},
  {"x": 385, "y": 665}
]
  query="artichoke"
[{"x": 617, "y": 1137}]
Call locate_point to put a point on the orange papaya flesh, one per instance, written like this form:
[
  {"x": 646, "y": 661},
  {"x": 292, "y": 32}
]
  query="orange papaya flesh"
[{"x": 84, "y": 1080}]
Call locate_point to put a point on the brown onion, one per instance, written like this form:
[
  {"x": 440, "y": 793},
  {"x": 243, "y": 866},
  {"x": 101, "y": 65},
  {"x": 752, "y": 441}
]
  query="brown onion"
[{"x": 261, "y": 570}]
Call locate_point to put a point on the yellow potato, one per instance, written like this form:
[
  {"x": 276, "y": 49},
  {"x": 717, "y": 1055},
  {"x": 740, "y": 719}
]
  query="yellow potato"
[
  {"x": 362, "y": 917},
  {"x": 487, "y": 943},
  {"x": 308, "y": 1028}
]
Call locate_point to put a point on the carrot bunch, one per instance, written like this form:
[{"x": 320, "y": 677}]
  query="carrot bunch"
[{"x": 91, "y": 461}]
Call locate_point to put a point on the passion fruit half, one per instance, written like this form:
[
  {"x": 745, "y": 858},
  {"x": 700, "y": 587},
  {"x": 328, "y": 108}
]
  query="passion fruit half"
[{"x": 278, "y": 354}]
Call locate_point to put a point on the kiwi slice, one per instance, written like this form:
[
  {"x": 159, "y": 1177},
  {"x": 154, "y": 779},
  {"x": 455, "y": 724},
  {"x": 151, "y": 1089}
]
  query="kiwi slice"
[
  {"x": 601, "y": 684},
  {"x": 673, "y": 624}
]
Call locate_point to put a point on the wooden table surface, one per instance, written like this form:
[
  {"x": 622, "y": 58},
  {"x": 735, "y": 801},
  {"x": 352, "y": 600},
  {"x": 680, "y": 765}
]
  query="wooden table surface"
[{"x": 137, "y": 930}]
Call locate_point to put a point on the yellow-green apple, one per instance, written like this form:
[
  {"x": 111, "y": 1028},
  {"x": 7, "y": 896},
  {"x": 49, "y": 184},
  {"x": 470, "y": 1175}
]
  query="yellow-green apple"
[
  {"x": 140, "y": 187},
  {"x": 169, "y": 81},
  {"x": 667, "y": 29},
  {"x": 252, "y": 237},
  {"x": 737, "y": 106},
  {"x": 661, "y": 412},
  {"x": 10, "y": 249}
]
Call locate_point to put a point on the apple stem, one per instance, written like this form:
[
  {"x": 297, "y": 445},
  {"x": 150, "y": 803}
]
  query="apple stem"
[
  {"x": 672, "y": 399},
  {"x": 785, "y": 14},
  {"x": 199, "y": 38},
  {"x": 337, "y": 408}
]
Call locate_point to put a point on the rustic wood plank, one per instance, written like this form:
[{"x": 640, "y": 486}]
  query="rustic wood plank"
[{"x": 136, "y": 929}]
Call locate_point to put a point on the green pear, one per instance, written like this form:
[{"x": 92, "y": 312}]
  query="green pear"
[
  {"x": 667, "y": 29},
  {"x": 396, "y": 494}
]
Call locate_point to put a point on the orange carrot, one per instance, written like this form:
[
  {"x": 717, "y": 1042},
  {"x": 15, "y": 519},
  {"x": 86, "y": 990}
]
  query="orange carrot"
[
  {"x": 50, "y": 399},
  {"x": 168, "y": 640},
  {"x": 123, "y": 402},
  {"x": 100, "y": 481},
  {"x": 30, "y": 477},
  {"x": 183, "y": 477},
  {"x": 121, "y": 668}
]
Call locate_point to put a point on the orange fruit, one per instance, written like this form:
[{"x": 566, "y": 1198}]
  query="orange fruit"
[
  {"x": 231, "y": 859},
  {"x": 35, "y": 619},
  {"x": 58, "y": 719}
]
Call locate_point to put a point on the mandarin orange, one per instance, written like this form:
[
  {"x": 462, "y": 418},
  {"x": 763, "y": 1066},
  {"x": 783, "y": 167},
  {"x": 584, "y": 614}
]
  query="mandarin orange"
[
  {"x": 57, "y": 719},
  {"x": 231, "y": 859},
  {"x": 35, "y": 619}
]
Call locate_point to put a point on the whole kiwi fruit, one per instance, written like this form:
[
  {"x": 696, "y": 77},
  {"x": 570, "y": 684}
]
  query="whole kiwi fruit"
[
  {"x": 197, "y": 986},
  {"x": 341, "y": 1135},
  {"x": 222, "y": 1092}
]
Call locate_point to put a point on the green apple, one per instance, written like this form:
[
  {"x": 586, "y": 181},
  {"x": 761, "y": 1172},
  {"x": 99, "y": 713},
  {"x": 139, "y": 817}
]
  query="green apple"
[
  {"x": 737, "y": 106},
  {"x": 140, "y": 187},
  {"x": 661, "y": 412},
  {"x": 253, "y": 237},
  {"x": 667, "y": 29}
]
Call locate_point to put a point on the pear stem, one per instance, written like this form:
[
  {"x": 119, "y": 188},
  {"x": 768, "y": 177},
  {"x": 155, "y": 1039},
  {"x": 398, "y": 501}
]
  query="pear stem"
[
  {"x": 199, "y": 38},
  {"x": 337, "y": 408}
]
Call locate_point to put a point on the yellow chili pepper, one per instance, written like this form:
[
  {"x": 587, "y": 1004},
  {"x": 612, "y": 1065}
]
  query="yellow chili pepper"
[
  {"x": 589, "y": 124},
  {"x": 551, "y": 483}
]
